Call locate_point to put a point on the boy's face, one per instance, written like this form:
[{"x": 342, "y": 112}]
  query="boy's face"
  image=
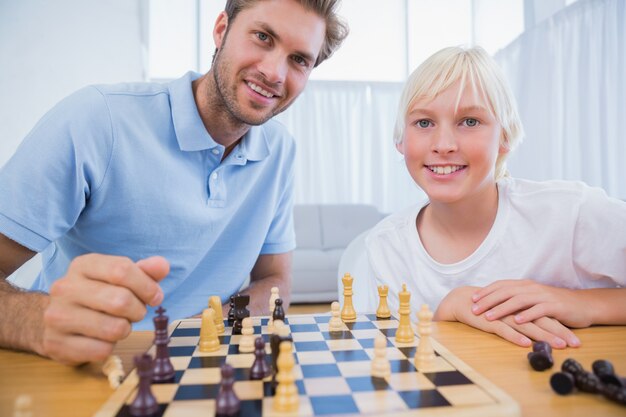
[
  {"x": 450, "y": 150},
  {"x": 265, "y": 58}
]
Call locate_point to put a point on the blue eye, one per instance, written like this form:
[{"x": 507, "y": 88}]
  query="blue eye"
[
  {"x": 262, "y": 36},
  {"x": 471, "y": 122},
  {"x": 423, "y": 123}
]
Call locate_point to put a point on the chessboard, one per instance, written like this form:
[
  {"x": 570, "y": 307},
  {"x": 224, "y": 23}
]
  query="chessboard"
[{"x": 333, "y": 375}]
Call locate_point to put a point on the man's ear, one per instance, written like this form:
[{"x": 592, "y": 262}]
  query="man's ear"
[{"x": 219, "y": 30}]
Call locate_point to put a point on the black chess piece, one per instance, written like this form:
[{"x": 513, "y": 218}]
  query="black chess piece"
[
  {"x": 615, "y": 393},
  {"x": 588, "y": 382},
  {"x": 279, "y": 312},
  {"x": 144, "y": 403},
  {"x": 562, "y": 383},
  {"x": 605, "y": 371},
  {"x": 260, "y": 369},
  {"x": 241, "y": 312},
  {"x": 572, "y": 366},
  {"x": 163, "y": 370},
  {"x": 541, "y": 357},
  {"x": 231, "y": 311},
  {"x": 227, "y": 403}
]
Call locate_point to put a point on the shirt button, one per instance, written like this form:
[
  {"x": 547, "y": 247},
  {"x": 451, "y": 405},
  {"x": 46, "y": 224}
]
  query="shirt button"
[
  {"x": 215, "y": 151},
  {"x": 239, "y": 156},
  {"x": 214, "y": 176}
]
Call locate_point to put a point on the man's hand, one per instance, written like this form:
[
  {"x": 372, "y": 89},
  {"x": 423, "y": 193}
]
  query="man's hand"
[
  {"x": 529, "y": 300},
  {"x": 94, "y": 304},
  {"x": 456, "y": 306}
]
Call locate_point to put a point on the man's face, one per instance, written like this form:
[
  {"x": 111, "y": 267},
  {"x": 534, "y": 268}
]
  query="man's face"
[{"x": 264, "y": 59}]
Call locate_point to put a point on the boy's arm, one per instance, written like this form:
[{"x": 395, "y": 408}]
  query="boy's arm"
[
  {"x": 529, "y": 300},
  {"x": 456, "y": 306},
  {"x": 88, "y": 309}
]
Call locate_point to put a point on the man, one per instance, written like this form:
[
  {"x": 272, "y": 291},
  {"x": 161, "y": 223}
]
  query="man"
[{"x": 194, "y": 172}]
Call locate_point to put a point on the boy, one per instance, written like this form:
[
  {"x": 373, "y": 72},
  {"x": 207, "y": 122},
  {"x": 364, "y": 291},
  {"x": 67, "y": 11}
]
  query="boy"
[{"x": 549, "y": 255}]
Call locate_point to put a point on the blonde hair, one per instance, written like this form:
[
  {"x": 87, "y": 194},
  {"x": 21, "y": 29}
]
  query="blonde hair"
[{"x": 466, "y": 65}]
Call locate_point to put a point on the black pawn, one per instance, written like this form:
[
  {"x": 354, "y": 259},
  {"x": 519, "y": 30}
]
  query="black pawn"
[
  {"x": 163, "y": 370},
  {"x": 241, "y": 312},
  {"x": 279, "y": 312},
  {"x": 605, "y": 371},
  {"x": 260, "y": 369},
  {"x": 562, "y": 383},
  {"x": 227, "y": 403},
  {"x": 541, "y": 356},
  {"x": 144, "y": 403},
  {"x": 572, "y": 366},
  {"x": 231, "y": 311},
  {"x": 588, "y": 382},
  {"x": 615, "y": 394}
]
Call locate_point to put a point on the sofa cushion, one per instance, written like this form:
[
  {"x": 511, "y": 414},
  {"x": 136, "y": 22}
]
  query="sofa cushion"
[
  {"x": 306, "y": 221},
  {"x": 313, "y": 260},
  {"x": 340, "y": 223}
]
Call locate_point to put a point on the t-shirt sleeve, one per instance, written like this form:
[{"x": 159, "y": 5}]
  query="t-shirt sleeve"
[
  {"x": 281, "y": 235},
  {"x": 48, "y": 181},
  {"x": 600, "y": 237}
]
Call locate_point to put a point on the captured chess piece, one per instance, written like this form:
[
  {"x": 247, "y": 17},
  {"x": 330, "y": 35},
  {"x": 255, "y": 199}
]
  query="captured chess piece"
[
  {"x": 163, "y": 368},
  {"x": 286, "y": 398},
  {"x": 383, "y": 311},
  {"x": 23, "y": 406},
  {"x": 347, "y": 312},
  {"x": 114, "y": 370},
  {"x": 260, "y": 368},
  {"x": 209, "y": 342},
  {"x": 425, "y": 354},
  {"x": 216, "y": 304},
  {"x": 541, "y": 357},
  {"x": 404, "y": 333},
  {"x": 381, "y": 367},
  {"x": 335, "y": 324},
  {"x": 605, "y": 371},
  {"x": 246, "y": 343},
  {"x": 227, "y": 403},
  {"x": 144, "y": 403}
]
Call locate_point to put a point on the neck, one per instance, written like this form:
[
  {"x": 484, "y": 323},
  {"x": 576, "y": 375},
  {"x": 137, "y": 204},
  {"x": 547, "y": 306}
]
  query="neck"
[{"x": 217, "y": 120}]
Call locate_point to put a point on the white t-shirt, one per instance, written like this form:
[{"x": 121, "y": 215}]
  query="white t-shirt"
[{"x": 559, "y": 233}]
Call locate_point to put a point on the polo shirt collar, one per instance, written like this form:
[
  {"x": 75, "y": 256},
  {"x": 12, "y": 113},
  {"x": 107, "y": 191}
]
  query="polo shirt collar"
[{"x": 190, "y": 131}]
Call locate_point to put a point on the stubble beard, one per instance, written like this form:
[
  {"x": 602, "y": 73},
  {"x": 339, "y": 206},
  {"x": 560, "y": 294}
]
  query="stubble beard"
[{"x": 226, "y": 97}]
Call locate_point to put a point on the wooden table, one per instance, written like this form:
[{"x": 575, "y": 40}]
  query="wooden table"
[{"x": 63, "y": 391}]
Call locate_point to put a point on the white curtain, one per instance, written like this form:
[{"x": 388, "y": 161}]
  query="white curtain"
[
  {"x": 568, "y": 74},
  {"x": 343, "y": 132}
]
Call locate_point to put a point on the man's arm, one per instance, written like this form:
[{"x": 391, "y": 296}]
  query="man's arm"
[
  {"x": 269, "y": 271},
  {"x": 88, "y": 310},
  {"x": 18, "y": 307}
]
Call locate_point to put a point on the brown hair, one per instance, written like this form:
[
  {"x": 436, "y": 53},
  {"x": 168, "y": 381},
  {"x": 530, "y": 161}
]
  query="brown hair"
[{"x": 336, "y": 28}]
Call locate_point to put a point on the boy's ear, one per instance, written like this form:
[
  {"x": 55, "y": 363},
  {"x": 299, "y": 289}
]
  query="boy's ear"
[
  {"x": 400, "y": 147},
  {"x": 219, "y": 30}
]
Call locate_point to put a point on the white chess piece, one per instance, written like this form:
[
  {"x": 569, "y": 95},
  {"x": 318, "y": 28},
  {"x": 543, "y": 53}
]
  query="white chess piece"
[
  {"x": 381, "y": 368},
  {"x": 246, "y": 343},
  {"x": 425, "y": 353},
  {"x": 23, "y": 406},
  {"x": 335, "y": 324},
  {"x": 273, "y": 297}
]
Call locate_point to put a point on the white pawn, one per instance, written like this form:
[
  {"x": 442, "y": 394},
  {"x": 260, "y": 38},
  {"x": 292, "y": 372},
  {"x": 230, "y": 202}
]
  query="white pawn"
[
  {"x": 381, "y": 368},
  {"x": 335, "y": 324},
  {"x": 246, "y": 343},
  {"x": 425, "y": 354},
  {"x": 114, "y": 370}
]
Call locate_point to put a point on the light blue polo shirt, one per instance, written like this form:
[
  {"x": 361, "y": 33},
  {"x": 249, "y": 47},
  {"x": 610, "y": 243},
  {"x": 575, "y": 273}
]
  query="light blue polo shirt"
[{"x": 130, "y": 170}]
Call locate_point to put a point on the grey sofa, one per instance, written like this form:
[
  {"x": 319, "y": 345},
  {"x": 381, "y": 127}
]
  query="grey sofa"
[{"x": 323, "y": 231}]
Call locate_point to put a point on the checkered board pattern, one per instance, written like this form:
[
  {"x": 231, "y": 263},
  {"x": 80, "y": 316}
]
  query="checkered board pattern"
[{"x": 332, "y": 375}]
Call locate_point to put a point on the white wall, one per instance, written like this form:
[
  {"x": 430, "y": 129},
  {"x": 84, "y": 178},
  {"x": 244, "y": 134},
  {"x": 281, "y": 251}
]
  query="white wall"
[{"x": 49, "y": 49}]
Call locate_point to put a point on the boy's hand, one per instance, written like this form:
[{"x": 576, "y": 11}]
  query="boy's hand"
[
  {"x": 529, "y": 300},
  {"x": 94, "y": 304},
  {"x": 456, "y": 306}
]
